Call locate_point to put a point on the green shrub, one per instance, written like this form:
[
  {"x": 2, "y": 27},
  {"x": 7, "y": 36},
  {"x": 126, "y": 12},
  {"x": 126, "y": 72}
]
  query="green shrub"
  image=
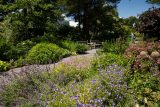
[
  {"x": 46, "y": 38},
  {"x": 65, "y": 53},
  {"x": 146, "y": 86},
  {"x": 81, "y": 48},
  {"x": 74, "y": 47},
  {"x": 44, "y": 53},
  {"x": 4, "y": 48},
  {"x": 20, "y": 50},
  {"x": 71, "y": 46},
  {"x": 3, "y": 66},
  {"x": 118, "y": 46},
  {"x": 108, "y": 59},
  {"x": 20, "y": 62}
]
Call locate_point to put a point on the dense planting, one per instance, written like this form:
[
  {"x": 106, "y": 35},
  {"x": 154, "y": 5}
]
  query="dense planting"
[
  {"x": 36, "y": 36},
  {"x": 44, "y": 52},
  {"x": 110, "y": 81},
  {"x": 74, "y": 47},
  {"x": 3, "y": 66}
]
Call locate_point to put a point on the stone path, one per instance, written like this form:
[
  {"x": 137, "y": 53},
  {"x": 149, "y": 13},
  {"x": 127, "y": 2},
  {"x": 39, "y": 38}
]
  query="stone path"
[{"x": 79, "y": 61}]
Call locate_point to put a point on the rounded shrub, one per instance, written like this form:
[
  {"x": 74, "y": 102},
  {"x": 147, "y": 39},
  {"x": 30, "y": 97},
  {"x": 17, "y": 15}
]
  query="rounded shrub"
[
  {"x": 71, "y": 46},
  {"x": 3, "y": 66},
  {"x": 81, "y": 48},
  {"x": 43, "y": 53}
]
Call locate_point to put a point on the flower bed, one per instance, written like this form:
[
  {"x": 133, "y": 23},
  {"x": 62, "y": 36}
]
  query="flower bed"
[{"x": 145, "y": 55}]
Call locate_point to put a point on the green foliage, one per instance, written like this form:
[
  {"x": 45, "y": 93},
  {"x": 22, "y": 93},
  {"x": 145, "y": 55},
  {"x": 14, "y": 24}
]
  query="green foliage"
[
  {"x": 27, "y": 19},
  {"x": 27, "y": 84},
  {"x": 4, "y": 48},
  {"x": 110, "y": 82},
  {"x": 64, "y": 53},
  {"x": 19, "y": 63},
  {"x": 131, "y": 20},
  {"x": 3, "y": 66},
  {"x": 107, "y": 59},
  {"x": 153, "y": 1},
  {"x": 64, "y": 74},
  {"x": 45, "y": 52},
  {"x": 71, "y": 46},
  {"x": 47, "y": 37},
  {"x": 146, "y": 86},
  {"x": 66, "y": 32},
  {"x": 115, "y": 29},
  {"x": 84, "y": 12},
  {"x": 81, "y": 48},
  {"x": 118, "y": 46},
  {"x": 74, "y": 47},
  {"x": 20, "y": 50},
  {"x": 43, "y": 83}
]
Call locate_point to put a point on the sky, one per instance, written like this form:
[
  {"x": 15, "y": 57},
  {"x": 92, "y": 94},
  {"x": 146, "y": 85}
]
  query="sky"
[{"x": 128, "y": 8}]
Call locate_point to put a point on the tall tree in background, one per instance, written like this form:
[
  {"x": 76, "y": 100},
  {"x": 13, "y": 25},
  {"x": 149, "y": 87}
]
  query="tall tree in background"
[
  {"x": 130, "y": 21},
  {"x": 90, "y": 14},
  {"x": 154, "y": 2},
  {"x": 29, "y": 18}
]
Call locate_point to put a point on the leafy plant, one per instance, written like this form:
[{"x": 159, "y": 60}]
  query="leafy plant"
[
  {"x": 4, "y": 48},
  {"x": 145, "y": 54},
  {"x": 71, "y": 46},
  {"x": 45, "y": 52},
  {"x": 110, "y": 58},
  {"x": 81, "y": 48},
  {"x": 145, "y": 85},
  {"x": 3, "y": 66},
  {"x": 74, "y": 47},
  {"x": 20, "y": 50},
  {"x": 118, "y": 46}
]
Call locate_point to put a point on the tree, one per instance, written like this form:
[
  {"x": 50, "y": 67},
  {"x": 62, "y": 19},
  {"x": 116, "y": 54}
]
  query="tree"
[
  {"x": 90, "y": 14},
  {"x": 154, "y": 2},
  {"x": 130, "y": 21},
  {"x": 30, "y": 18},
  {"x": 149, "y": 23}
]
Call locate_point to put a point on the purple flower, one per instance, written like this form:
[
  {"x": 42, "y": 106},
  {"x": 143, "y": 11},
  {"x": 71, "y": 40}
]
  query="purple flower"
[
  {"x": 91, "y": 101},
  {"x": 93, "y": 81},
  {"x": 54, "y": 87},
  {"x": 80, "y": 105}
]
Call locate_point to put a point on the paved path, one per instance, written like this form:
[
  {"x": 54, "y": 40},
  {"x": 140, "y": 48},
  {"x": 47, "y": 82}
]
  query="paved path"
[{"x": 80, "y": 61}]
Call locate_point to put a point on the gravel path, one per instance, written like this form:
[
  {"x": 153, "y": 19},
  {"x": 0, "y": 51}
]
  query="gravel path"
[{"x": 79, "y": 61}]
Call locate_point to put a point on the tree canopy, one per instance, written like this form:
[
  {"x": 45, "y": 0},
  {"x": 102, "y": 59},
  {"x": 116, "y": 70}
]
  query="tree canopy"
[
  {"x": 154, "y": 1},
  {"x": 29, "y": 18},
  {"x": 149, "y": 23},
  {"x": 130, "y": 21},
  {"x": 91, "y": 14}
]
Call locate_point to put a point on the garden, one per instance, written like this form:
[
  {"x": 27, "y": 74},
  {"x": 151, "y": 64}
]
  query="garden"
[{"x": 123, "y": 72}]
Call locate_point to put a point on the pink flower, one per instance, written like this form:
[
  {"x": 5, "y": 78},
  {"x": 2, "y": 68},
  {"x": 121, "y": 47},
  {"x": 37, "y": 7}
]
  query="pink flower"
[{"x": 158, "y": 61}]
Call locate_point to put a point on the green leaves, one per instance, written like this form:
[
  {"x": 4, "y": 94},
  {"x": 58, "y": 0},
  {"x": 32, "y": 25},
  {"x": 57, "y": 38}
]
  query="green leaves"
[
  {"x": 154, "y": 1},
  {"x": 30, "y": 18},
  {"x": 83, "y": 12},
  {"x": 3, "y": 66},
  {"x": 45, "y": 52}
]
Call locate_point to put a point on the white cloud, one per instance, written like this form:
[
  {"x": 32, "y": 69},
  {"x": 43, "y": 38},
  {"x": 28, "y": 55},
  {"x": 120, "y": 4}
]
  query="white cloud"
[{"x": 73, "y": 23}]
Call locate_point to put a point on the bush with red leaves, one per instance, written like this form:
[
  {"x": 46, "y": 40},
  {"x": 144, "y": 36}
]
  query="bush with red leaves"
[{"x": 149, "y": 23}]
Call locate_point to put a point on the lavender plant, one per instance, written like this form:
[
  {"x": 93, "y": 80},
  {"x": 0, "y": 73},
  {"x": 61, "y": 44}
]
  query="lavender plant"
[
  {"x": 108, "y": 88},
  {"x": 113, "y": 89}
]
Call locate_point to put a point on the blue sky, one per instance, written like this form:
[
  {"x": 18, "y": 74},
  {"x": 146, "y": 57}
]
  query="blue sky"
[{"x": 128, "y": 8}]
